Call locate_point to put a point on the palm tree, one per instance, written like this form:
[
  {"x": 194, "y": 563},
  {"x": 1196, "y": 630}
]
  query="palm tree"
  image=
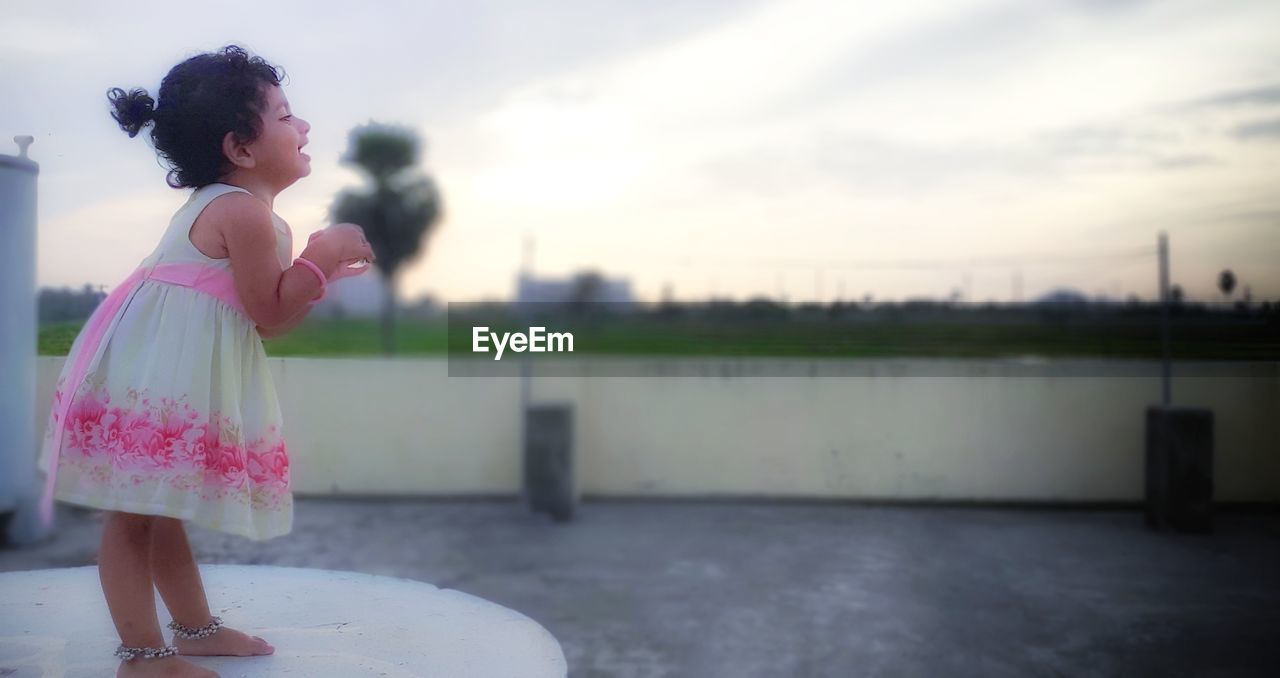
[
  {"x": 1227, "y": 283},
  {"x": 397, "y": 208}
]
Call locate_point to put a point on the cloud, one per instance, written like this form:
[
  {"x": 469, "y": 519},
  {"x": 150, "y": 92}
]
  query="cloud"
[
  {"x": 25, "y": 37},
  {"x": 882, "y": 162},
  {"x": 1261, "y": 215},
  {"x": 1262, "y": 95},
  {"x": 1184, "y": 161},
  {"x": 1103, "y": 5},
  {"x": 1115, "y": 139},
  {"x": 1258, "y": 129},
  {"x": 903, "y": 101},
  {"x": 862, "y": 163},
  {"x": 965, "y": 38},
  {"x": 1137, "y": 144}
]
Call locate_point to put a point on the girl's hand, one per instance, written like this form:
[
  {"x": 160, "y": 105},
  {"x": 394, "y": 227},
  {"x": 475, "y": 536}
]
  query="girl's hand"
[
  {"x": 347, "y": 243},
  {"x": 349, "y": 268}
]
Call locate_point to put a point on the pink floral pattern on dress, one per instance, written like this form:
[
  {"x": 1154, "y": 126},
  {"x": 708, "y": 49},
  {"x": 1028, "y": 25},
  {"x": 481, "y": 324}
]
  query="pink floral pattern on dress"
[{"x": 143, "y": 442}]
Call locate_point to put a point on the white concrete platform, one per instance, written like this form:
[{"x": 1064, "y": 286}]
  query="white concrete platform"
[{"x": 54, "y": 623}]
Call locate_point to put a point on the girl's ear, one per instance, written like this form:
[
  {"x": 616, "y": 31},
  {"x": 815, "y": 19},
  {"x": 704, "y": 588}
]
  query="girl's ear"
[{"x": 236, "y": 152}]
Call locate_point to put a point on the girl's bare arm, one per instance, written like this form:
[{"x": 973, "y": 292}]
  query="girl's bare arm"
[
  {"x": 287, "y": 327},
  {"x": 272, "y": 296}
]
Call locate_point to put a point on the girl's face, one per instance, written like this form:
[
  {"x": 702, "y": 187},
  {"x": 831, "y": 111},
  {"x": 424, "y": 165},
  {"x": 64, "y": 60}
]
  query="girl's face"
[{"x": 278, "y": 149}]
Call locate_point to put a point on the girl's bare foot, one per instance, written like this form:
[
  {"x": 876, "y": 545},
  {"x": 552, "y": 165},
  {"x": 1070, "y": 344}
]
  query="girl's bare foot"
[
  {"x": 226, "y": 642},
  {"x": 168, "y": 667}
]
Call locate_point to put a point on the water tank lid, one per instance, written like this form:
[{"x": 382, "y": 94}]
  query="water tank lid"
[{"x": 20, "y": 161}]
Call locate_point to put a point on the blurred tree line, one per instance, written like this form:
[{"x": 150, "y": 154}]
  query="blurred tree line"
[{"x": 65, "y": 304}]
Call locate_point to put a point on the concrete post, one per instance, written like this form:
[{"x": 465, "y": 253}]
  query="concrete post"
[
  {"x": 548, "y": 460},
  {"x": 1179, "y": 468}
]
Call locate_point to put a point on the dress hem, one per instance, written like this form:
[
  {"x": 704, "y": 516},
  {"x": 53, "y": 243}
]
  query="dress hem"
[{"x": 167, "y": 512}]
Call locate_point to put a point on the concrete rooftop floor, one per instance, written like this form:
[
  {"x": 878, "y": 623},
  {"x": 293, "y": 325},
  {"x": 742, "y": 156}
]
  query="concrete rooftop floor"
[{"x": 676, "y": 588}]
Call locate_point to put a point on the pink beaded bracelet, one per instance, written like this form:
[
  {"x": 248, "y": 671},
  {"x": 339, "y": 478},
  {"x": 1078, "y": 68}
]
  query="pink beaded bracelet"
[{"x": 319, "y": 274}]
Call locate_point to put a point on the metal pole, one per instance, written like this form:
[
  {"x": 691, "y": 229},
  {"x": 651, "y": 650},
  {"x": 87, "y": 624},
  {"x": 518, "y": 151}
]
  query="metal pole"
[
  {"x": 1164, "y": 318},
  {"x": 526, "y": 387},
  {"x": 526, "y": 401}
]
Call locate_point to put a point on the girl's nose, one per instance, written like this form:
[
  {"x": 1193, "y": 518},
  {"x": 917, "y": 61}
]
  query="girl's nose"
[{"x": 306, "y": 126}]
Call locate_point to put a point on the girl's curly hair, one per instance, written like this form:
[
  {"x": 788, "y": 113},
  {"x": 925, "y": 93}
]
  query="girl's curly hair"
[{"x": 201, "y": 99}]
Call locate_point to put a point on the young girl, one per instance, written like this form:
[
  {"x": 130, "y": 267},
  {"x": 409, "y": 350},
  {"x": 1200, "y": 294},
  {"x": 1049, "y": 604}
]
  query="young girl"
[{"x": 165, "y": 410}]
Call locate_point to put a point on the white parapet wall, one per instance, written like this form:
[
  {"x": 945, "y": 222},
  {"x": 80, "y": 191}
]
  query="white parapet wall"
[{"x": 890, "y": 429}]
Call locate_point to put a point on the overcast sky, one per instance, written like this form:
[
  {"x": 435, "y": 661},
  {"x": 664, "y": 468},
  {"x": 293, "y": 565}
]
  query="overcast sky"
[{"x": 811, "y": 149}]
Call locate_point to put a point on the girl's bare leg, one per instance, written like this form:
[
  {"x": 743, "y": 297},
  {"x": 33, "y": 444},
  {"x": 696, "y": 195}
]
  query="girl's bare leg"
[
  {"x": 124, "y": 568},
  {"x": 177, "y": 577}
]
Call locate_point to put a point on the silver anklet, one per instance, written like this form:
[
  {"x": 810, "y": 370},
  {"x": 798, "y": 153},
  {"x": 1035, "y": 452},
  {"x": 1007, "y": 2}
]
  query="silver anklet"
[
  {"x": 188, "y": 633},
  {"x": 132, "y": 653}
]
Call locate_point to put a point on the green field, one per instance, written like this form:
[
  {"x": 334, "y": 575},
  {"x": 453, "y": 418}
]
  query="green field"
[
  {"x": 793, "y": 338},
  {"x": 311, "y": 338}
]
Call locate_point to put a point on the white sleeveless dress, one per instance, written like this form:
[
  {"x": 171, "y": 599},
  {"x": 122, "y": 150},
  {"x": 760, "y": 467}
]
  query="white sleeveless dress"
[{"x": 177, "y": 414}]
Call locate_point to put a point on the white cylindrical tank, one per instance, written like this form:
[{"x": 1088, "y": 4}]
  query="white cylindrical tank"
[{"x": 19, "y": 485}]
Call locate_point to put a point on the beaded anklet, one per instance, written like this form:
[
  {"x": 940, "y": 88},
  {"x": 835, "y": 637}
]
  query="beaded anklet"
[
  {"x": 131, "y": 653},
  {"x": 188, "y": 633}
]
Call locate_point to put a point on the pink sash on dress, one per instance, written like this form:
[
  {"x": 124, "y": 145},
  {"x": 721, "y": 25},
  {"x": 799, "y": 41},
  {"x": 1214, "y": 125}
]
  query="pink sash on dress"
[{"x": 208, "y": 279}]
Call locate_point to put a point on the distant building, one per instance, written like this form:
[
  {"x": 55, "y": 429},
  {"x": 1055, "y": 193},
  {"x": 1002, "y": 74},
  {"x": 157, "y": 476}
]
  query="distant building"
[
  {"x": 585, "y": 286},
  {"x": 1062, "y": 295}
]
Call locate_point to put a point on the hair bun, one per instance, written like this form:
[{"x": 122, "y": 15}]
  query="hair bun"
[{"x": 132, "y": 109}]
